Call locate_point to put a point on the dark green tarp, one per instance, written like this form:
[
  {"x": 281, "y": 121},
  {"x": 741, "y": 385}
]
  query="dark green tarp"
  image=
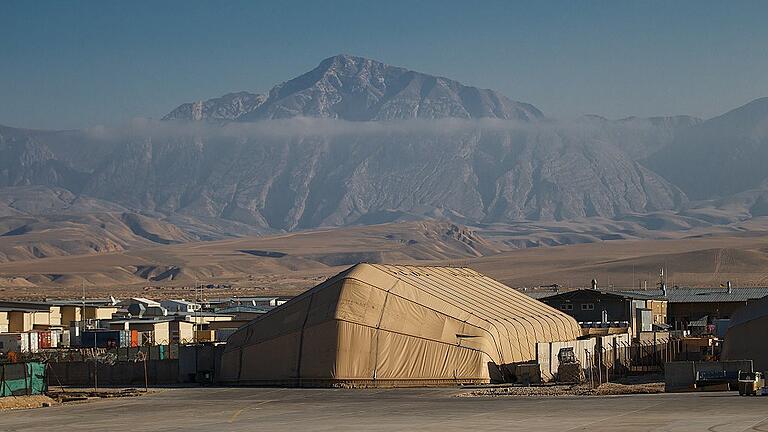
[{"x": 19, "y": 379}]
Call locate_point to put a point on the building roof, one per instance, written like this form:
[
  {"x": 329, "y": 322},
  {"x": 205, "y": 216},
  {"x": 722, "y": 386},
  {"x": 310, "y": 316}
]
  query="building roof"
[
  {"x": 79, "y": 302},
  {"x": 139, "y": 300},
  {"x": 18, "y": 309},
  {"x": 244, "y": 309},
  {"x": 701, "y": 322},
  {"x": 176, "y": 301},
  {"x": 673, "y": 295},
  {"x": 244, "y": 299},
  {"x": 153, "y": 320},
  {"x": 199, "y": 314},
  {"x": 707, "y": 295},
  {"x": 540, "y": 293},
  {"x": 629, "y": 295}
]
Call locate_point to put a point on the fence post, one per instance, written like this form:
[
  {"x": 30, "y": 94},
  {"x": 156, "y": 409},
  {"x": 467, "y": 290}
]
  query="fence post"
[{"x": 26, "y": 379}]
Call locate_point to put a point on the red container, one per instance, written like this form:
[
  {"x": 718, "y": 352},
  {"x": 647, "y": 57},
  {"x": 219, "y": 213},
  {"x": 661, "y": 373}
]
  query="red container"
[
  {"x": 134, "y": 338},
  {"x": 44, "y": 339}
]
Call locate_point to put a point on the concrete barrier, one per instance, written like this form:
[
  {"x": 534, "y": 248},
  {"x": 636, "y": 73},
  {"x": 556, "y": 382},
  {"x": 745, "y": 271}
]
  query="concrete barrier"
[
  {"x": 681, "y": 376},
  {"x": 86, "y": 374}
]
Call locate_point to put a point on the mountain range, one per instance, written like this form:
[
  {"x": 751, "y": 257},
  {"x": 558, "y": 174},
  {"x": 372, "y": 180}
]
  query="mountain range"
[{"x": 356, "y": 141}]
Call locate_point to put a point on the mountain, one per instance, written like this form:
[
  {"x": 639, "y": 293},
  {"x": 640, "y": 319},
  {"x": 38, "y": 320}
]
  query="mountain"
[
  {"x": 228, "y": 107},
  {"x": 359, "y": 89},
  {"x": 272, "y": 182},
  {"x": 637, "y": 136},
  {"x": 359, "y": 142},
  {"x": 721, "y": 156}
]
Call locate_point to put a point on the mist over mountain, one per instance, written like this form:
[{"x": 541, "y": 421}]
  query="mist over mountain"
[
  {"x": 356, "y": 141},
  {"x": 721, "y": 156}
]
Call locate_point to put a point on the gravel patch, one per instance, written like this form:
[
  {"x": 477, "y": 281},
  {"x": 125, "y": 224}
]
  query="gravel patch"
[{"x": 568, "y": 390}]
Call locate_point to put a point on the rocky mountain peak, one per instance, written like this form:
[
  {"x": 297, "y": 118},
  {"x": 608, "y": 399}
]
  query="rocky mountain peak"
[{"x": 360, "y": 89}]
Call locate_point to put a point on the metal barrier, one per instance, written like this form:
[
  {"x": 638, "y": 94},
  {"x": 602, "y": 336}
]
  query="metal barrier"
[{"x": 621, "y": 359}]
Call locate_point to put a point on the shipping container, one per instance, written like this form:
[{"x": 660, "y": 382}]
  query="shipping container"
[
  {"x": 205, "y": 335},
  {"x": 65, "y": 340},
  {"x": 134, "y": 338},
  {"x": 223, "y": 334},
  {"x": 44, "y": 339},
  {"x": 101, "y": 338},
  {"x": 13, "y": 342},
  {"x": 33, "y": 344}
]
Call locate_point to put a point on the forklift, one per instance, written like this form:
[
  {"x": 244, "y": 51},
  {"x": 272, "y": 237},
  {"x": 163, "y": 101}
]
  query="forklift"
[{"x": 751, "y": 384}]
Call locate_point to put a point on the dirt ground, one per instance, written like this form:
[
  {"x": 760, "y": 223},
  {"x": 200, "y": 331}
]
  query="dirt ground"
[
  {"x": 67, "y": 395},
  {"x": 25, "y": 402},
  {"x": 244, "y": 266},
  {"x": 641, "y": 384},
  {"x": 568, "y": 390}
]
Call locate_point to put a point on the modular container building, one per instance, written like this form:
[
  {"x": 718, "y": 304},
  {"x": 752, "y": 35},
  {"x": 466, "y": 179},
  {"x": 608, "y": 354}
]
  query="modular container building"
[
  {"x": 22, "y": 342},
  {"x": 13, "y": 342},
  {"x": 44, "y": 339},
  {"x": 109, "y": 338}
]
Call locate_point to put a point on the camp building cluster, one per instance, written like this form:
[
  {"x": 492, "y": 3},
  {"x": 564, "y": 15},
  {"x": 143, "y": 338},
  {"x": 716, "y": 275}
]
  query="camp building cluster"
[{"x": 394, "y": 325}]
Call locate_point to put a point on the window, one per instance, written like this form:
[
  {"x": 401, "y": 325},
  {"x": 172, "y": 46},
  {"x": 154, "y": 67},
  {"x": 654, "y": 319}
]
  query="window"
[
  {"x": 587, "y": 306},
  {"x": 566, "y": 306}
]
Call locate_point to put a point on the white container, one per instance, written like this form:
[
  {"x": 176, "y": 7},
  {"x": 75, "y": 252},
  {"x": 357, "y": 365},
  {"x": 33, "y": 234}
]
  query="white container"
[{"x": 34, "y": 342}]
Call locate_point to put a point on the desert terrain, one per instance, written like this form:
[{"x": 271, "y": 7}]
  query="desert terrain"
[{"x": 287, "y": 264}]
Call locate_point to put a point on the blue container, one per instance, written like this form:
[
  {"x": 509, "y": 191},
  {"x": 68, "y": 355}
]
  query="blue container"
[{"x": 101, "y": 338}]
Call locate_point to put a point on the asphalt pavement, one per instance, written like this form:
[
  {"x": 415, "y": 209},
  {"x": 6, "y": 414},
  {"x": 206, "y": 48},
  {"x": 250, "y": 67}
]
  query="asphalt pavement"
[{"x": 270, "y": 409}]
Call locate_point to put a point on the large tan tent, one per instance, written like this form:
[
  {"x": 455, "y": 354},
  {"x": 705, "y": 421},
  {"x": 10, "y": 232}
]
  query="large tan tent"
[
  {"x": 390, "y": 325},
  {"x": 745, "y": 338}
]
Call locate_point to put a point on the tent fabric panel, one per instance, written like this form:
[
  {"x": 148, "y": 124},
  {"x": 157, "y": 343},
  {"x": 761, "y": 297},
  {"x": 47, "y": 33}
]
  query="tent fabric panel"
[
  {"x": 322, "y": 305},
  {"x": 230, "y": 364},
  {"x": 406, "y": 357},
  {"x": 404, "y": 316},
  {"x": 418, "y": 295},
  {"x": 289, "y": 319},
  {"x": 355, "y": 351},
  {"x": 319, "y": 351},
  {"x": 747, "y": 341},
  {"x": 360, "y": 302},
  {"x": 271, "y": 360}
]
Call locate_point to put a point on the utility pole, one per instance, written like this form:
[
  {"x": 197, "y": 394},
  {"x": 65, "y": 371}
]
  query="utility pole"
[
  {"x": 82, "y": 314},
  {"x": 194, "y": 325}
]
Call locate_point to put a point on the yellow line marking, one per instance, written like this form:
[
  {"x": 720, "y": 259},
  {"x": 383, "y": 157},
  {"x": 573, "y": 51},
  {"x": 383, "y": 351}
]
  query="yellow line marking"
[
  {"x": 237, "y": 413},
  {"x": 254, "y": 406}
]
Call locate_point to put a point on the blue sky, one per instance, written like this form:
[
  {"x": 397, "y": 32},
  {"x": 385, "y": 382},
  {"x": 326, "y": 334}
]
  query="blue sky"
[{"x": 68, "y": 64}]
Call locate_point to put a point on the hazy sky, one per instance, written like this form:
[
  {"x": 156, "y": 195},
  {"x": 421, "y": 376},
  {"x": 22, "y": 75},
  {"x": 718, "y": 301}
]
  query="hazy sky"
[{"x": 67, "y": 64}]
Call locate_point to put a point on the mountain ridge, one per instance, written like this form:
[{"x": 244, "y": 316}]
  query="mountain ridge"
[
  {"x": 358, "y": 89},
  {"x": 235, "y": 178}
]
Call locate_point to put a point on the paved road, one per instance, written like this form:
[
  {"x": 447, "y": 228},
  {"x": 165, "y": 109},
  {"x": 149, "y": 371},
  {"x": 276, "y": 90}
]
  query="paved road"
[{"x": 252, "y": 409}]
